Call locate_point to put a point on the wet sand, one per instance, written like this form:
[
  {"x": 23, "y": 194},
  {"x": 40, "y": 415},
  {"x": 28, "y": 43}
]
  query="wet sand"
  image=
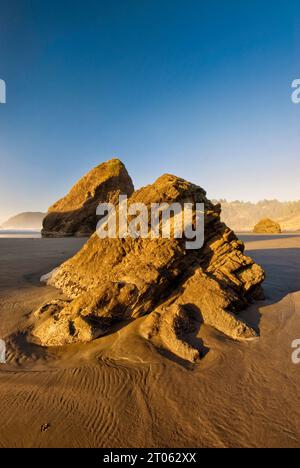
[{"x": 120, "y": 391}]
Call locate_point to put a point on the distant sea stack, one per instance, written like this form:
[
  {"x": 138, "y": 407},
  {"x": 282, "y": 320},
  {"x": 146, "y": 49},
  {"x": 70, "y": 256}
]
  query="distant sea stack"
[
  {"x": 242, "y": 216},
  {"x": 27, "y": 220},
  {"x": 75, "y": 214},
  {"x": 267, "y": 226},
  {"x": 112, "y": 280}
]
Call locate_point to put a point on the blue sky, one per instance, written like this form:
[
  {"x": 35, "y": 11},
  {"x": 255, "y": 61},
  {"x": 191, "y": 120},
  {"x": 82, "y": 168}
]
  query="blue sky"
[{"x": 196, "y": 88}]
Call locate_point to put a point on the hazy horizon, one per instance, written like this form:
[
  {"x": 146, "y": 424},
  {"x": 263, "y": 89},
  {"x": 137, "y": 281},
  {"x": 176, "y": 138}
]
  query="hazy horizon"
[
  {"x": 4, "y": 219},
  {"x": 200, "y": 91}
]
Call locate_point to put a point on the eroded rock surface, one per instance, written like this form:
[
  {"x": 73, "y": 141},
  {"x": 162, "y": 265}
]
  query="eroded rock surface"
[
  {"x": 167, "y": 329},
  {"x": 75, "y": 214},
  {"x": 110, "y": 280}
]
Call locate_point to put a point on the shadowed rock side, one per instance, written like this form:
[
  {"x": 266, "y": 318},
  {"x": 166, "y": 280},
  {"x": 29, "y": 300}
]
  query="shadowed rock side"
[
  {"x": 167, "y": 328},
  {"x": 75, "y": 214},
  {"x": 112, "y": 280},
  {"x": 267, "y": 226}
]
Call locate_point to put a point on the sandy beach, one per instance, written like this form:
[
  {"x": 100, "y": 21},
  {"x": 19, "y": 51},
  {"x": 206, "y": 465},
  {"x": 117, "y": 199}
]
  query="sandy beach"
[
  {"x": 119, "y": 391},
  {"x": 149, "y": 227}
]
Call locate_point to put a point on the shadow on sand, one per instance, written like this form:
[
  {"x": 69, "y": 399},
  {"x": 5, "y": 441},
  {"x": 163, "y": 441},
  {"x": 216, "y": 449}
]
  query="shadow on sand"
[
  {"x": 266, "y": 237},
  {"x": 282, "y": 267}
]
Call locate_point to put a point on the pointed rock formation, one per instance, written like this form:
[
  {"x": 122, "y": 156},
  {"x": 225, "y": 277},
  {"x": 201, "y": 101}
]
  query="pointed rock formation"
[
  {"x": 267, "y": 226},
  {"x": 111, "y": 280},
  {"x": 75, "y": 214}
]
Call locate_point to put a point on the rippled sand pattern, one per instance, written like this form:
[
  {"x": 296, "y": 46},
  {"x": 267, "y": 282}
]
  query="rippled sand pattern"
[{"x": 120, "y": 391}]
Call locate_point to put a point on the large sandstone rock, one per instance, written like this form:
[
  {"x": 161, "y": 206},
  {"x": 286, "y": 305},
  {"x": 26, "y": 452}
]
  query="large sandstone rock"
[
  {"x": 75, "y": 214},
  {"x": 111, "y": 280},
  {"x": 267, "y": 226}
]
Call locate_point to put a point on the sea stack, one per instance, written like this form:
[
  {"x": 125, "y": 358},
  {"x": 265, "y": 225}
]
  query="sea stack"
[
  {"x": 267, "y": 226},
  {"x": 113, "y": 280},
  {"x": 75, "y": 214}
]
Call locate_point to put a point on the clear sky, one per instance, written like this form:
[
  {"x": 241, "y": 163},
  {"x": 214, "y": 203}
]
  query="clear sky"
[{"x": 196, "y": 88}]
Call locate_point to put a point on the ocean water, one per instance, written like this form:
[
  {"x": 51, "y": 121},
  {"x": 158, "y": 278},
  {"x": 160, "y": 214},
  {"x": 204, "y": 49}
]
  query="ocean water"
[{"x": 20, "y": 234}]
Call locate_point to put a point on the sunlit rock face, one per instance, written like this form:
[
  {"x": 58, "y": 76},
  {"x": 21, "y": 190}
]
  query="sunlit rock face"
[
  {"x": 267, "y": 226},
  {"x": 113, "y": 280},
  {"x": 75, "y": 214}
]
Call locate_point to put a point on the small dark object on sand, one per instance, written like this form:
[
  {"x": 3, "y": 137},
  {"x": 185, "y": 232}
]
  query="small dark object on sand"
[{"x": 45, "y": 427}]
